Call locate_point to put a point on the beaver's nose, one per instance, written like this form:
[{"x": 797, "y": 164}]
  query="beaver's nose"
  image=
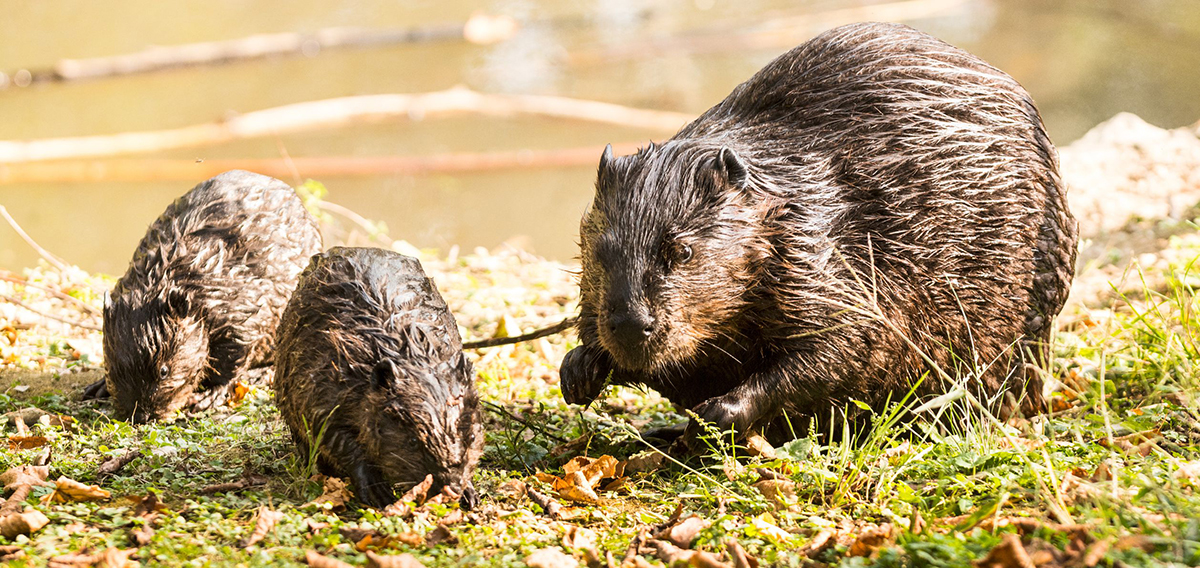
[{"x": 631, "y": 327}]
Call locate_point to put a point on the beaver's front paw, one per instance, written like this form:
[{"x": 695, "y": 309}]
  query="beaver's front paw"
[
  {"x": 581, "y": 377},
  {"x": 725, "y": 412}
]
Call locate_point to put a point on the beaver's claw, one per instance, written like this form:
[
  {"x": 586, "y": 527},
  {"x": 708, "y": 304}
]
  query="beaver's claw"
[{"x": 581, "y": 377}]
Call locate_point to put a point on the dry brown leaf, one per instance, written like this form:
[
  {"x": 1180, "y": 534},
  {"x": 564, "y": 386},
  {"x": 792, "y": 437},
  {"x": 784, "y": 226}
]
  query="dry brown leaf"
[
  {"x": 266, "y": 521},
  {"x": 26, "y": 442},
  {"x": 358, "y": 534},
  {"x": 314, "y": 526},
  {"x": 147, "y": 506},
  {"x": 1189, "y": 471},
  {"x": 312, "y": 558},
  {"x": 780, "y": 492},
  {"x": 74, "y": 560},
  {"x": 112, "y": 557},
  {"x": 593, "y": 560},
  {"x": 551, "y": 558},
  {"x": 618, "y": 484},
  {"x": 27, "y": 522},
  {"x": 143, "y": 534},
  {"x": 393, "y": 561},
  {"x": 24, "y": 475},
  {"x": 765, "y": 524},
  {"x": 1135, "y": 541},
  {"x": 1096, "y": 552},
  {"x": 579, "y": 537},
  {"x": 682, "y": 534},
  {"x": 419, "y": 492},
  {"x": 741, "y": 558},
  {"x": 513, "y": 489},
  {"x": 66, "y": 489},
  {"x": 644, "y": 462},
  {"x": 756, "y": 445},
  {"x": 1010, "y": 553},
  {"x": 572, "y": 514},
  {"x": 11, "y": 552},
  {"x": 593, "y": 470},
  {"x": 869, "y": 540},
  {"x": 113, "y": 464},
  {"x": 671, "y": 554},
  {"x": 238, "y": 393},
  {"x": 819, "y": 543},
  {"x": 334, "y": 495},
  {"x": 440, "y": 535},
  {"x": 15, "y": 502}
]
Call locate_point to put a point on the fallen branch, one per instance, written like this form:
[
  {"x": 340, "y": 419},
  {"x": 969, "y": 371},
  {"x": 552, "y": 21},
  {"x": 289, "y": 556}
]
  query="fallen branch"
[
  {"x": 559, "y": 327},
  {"x": 150, "y": 170},
  {"x": 336, "y": 113},
  {"x": 12, "y": 300},
  {"x": 480, "y": 29},
  {"x": 53, "y": 260}
]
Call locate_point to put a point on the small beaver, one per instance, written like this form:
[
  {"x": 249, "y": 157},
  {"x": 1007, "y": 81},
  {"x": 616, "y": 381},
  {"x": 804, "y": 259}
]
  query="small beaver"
[
  {"x": 869, "y": 198},
  {"x": 200, "y": 302},
  {"x": 370, "y": 368}
]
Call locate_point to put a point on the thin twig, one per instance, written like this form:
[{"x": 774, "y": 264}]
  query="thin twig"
[
  {"x": 7, "y": 276},
  {"x": 54, "y": 260},
  {"x": 551, "y": 330},
  {"x": 13, "y": 300},
  {"x": 501, "y": 410}
]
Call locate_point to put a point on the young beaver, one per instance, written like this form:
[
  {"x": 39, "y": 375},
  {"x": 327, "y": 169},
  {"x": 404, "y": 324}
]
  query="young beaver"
[
  {"x": 370, "y": 368},
  {"x": 200, "y": 302},
  {"x": 871, "y": 195}
]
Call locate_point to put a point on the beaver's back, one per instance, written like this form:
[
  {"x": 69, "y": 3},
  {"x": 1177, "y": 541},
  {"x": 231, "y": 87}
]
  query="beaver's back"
[{"x": 906, "y": 165}]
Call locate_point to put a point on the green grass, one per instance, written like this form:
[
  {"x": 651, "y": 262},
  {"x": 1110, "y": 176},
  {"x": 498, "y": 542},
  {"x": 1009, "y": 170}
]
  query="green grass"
[{"x": 1129, "y": 369}]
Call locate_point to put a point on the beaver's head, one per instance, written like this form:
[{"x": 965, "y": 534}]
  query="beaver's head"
[
  {"x": 669, "y": 250},
  {"x": 155, "y": 352}
]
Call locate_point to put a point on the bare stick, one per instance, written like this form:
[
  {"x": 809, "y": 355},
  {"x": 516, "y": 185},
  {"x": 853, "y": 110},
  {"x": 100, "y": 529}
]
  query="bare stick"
[
  {"x": 54, "y": 260},
  {"x": 10, "y": 277},
  {"x": 144, "y": 170},
  {"x": 556, "y": 328},
  {"x": 338, "y": 113},
  {"x": 13, "y": 300}
]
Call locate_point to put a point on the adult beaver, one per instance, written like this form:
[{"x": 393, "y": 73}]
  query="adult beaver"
[
  {"x": 200, "y": 302},
  {"x": 871, "y": 198},
  {"x": 370, "y": 370}
]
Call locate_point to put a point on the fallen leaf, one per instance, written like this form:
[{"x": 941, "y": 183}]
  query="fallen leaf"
[
  {"x": 593, "y": 470},
  {"x": 578, "y": 490},
  {"x": 551, "y": 558},
  {"x": 572, "y": 513},
  {"x": 551, "y": 507},
  {"x": 579, "y": 537},
  {"x": 70, "y": 490},
  {"x": 238, "y": 393},
  {"x": 26, "y": 442},
  {"x": 27, "y": 522},
  {"x": 819, "y": 543},
  {"x": 112, "y": 464},
  {"x": 780, "y": 492},
  {"x": 682, "y": 534},
  {"x": 756, "y": 445},
  {"x": 266, "y": 521},
  {"x": 869, "y": 540},
  {"x": 765, "y": 524},
  {"x": 143, "y": 534},
  {"x": 513, "y": 489},
  {"x": 312, "y": 558},
  {"x": 1140, "y": 541},
  {"x": 113, "y": 557},
  {"x": 741, "y": 559},
  {"x": 75, "y": 559},
  {"x": 1010, "y": 553},
  {"x": 644, "y": 462},
  {"x": 617, "y": 484},
  {"x": 246, "y": 482},
  {"x": 15, "y": 502},
  {"x": 393, "y": 561},
  {"x": 419, "y": 492},
  {"x": 147, "y": 506},
  {"x": 671, "y": 554},
  {"x": 1189, "y": 471},
  {"x": 440, "y": 535},
  {"x": 11, "y": 552},
  {"x": 1096, "y": 552},
  {"x": 334, "y": 495},
  {"x": 24, "y": 475},
  {"x": 314, "y": 526}
]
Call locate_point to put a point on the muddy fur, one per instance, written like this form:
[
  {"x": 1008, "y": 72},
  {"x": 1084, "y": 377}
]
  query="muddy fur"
[
  {"x": 200, "y": 302},
  {"x": 370, "y": 354},
  {"x": 872, "y": 194}
]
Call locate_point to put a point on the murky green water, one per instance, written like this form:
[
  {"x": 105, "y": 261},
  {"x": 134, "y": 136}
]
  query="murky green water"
[{"x": 1083, "y": 61}]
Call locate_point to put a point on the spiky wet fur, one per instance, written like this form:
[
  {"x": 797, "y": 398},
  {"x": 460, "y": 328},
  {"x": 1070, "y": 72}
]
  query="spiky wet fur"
[
  {"x": 895, "y": 187},
  {"x": 204, "y": 292},
  {"x": 355, "y": 312}
]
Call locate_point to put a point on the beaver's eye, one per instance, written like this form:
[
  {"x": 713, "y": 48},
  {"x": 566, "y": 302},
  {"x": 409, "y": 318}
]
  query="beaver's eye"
[
  {"x": 678, "y": 253},
  {"x": 163, "y": 371}
]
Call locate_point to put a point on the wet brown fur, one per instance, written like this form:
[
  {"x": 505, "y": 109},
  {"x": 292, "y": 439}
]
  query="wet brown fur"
[
  {"x": 203, "y": 293},
  {"x": 370, "y": 368},
  {"x": 872, "y": 195}
]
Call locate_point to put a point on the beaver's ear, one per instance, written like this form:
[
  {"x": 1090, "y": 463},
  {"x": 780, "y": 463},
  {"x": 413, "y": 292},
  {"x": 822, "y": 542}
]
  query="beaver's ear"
[
  {"x": 384, "y": 374},
  {"x": 604, "y": 173},
  {"x": 730, "y": 166},
  {"x": 606, "y": 158}
]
